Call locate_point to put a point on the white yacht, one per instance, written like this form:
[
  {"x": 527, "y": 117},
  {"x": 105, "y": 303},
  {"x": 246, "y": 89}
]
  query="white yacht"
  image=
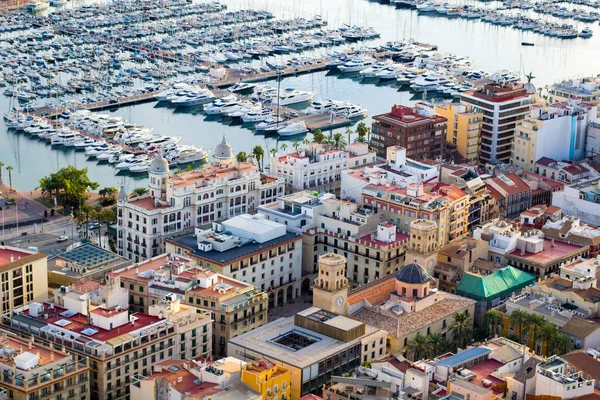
[
  {"x": 194, "y": 99},
  {"x": 292, "y": 96},
  {"x": 63, "y": 137},
  {"x": 429, "y": 82},
  {"x": 190, "y": 154},
  {"x": 427, "y": 7},
  {"x": 294, "y": 128},
  {"x": 105, "y": 155},
  {"x": 372, "y": 71},
  {"x": 215, "y": 108},
  {"x": 391, "y": 72},
  {"x": 320, "y": 106},
  {"x": 130, "y": 162},
  {"x": 140, "y": 167},
  {"x": 257, "y": 115},
  {"x": 356, "y": 65}
]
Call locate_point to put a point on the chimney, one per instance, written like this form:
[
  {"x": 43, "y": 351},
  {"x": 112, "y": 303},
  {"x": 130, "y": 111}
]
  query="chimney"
[
  {"x": 12, "y": 258},
  {"x": 51, "y": 356},
  {"x": 552, "y": 241}
]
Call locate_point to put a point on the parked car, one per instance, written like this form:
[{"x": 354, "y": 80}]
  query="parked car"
[{"x": 62, "y": 239}]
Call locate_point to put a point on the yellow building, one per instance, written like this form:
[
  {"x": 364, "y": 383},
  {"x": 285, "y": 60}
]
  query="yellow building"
[
  {"x": 24, "y": 277},
  {"x": 464, "y": 128},
  {"x": 268, "y": 379}
]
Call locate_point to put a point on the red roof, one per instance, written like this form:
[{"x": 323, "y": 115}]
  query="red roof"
[
  {"x": 147, "y": 203},
  {"x": 549, "y": 254}
]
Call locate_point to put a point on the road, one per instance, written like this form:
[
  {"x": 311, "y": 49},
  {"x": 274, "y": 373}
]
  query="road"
[{"x": 45, "y": 235}]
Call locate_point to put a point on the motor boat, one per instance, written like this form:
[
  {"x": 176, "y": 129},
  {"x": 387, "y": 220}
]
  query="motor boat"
[
  {"x": 293, "y": 128},
  {"x": 259, "y": 115},
  {"x": 356, "y": 65},
  {"x": 292, "y": 96}
]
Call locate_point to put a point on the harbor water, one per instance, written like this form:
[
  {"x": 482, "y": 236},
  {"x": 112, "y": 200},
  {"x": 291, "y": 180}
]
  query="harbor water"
[{"x": 491, "y": 48}]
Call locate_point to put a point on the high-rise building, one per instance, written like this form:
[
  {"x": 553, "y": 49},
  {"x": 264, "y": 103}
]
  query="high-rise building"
[
  {"x": 418, "y": 129},
  {"x": 502, "y": 106},
  {"x": 464, "y": 129}
]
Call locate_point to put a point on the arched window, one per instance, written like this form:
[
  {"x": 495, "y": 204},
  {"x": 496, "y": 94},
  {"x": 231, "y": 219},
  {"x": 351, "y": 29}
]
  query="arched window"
[{"x": 205, "y": 196}]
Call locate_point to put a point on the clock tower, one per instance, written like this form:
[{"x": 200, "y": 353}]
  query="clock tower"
[{"x": 330, "y": 290}]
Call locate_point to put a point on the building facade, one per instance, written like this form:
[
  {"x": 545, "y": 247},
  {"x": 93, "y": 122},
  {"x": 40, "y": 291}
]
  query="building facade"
[
  {"x": 23, "y": 276},
  {"x": 419, "y": 130},
  {"x": 502, "y": 106},
  {"x": 179, "y": 202},
  {"x": 464, "y": 129}
]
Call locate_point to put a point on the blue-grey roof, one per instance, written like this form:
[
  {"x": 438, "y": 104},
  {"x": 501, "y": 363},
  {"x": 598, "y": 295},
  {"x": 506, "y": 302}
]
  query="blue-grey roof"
[
  {"x": 228, "y": 256},
  {"x": 463, "y": 357},
  {"x": 413, "y": 273}
]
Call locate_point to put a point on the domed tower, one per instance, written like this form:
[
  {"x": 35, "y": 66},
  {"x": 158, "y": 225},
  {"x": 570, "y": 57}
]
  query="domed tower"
[
  {"x": 413, "y": 281},
  {"x": 158, "y": 173},
  {"x": 330, "y": 290},
  {"x": 423, "y": 244},
  {"x": 223, "y": 153},
  {"x": 122, "y": 196}
]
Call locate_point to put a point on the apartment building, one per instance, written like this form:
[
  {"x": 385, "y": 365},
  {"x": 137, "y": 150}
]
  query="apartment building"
[
  {"x": 458, "y": 209},
  {"x": 31, "y": 370},
  {"x": 580, "y": 199},
  {"x": 231, "y": 305},
  {"x": 418, "y": 129},
  {"x": 398, "y": 171},
  {"x": 319, "y": 167},
  {"x": 268, "y": 379},
  {"x": 503, "y": 106},
  {"x": 464, "y": 129},
  {"x": 571, "y": 229},
  {"x": 512, "y": 194},
  {"x": 562, "y": 171},
  {"x": 553, "y": 379},
  {"x": 586, "y": 89},
  {"x": 179, "y": 202},
  {"x": 118, "y": 344},
  {"x": 23, "y": 276},
  {"x": 250, "y": 248},
  {"x": 558, "y": 131}
]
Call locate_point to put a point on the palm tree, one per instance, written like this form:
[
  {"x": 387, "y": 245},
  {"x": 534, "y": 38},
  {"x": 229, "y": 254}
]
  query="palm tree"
[
  {"x": 493, "y": 320},
  {"x": 241, "y": 156},
  {"x": 534, "y": 325},
  {"x": 306, "y": 142},
  {"x": 349, "y": 133},
  {"x": 139, "y": 192},
  {"x": 296, "y": 144},
  {"x": 518, "y": 319},
  {"x": 189, "y": 168},
  {"x": 437, "y": 344},
  {"x": 560, "y": 343},
  {"x": 1, "y": 166},
  {"x": 547, "y": 332},
  {"x": 9, "y": 169},
  {"x": 418, "y": 346},
  {"x": 258, "y": 153},
  {"x": 283, "y": 146},
  {"x": 338, "y": 141},
  {"x": 318, "y": 136},
  {"x": 461, "y": 328}
]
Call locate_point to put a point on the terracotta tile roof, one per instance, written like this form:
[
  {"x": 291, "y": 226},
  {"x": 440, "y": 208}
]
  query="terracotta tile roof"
[
  {"x": 545, "y": 161},
  {"x": 375, "y": 292},
  {"x": 518, "y": 186},
  {"x": 583, "y": 362},
  {"x": 580, "y": 327}
]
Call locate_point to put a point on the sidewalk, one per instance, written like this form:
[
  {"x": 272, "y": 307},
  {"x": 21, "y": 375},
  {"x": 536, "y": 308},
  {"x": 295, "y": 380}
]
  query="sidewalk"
[{"x": 26, "y": 211}]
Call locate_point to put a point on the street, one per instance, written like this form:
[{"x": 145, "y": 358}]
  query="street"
[{"x": 45, "y": 237}]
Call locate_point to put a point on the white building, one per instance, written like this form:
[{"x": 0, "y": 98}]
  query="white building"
[
  {"x": 249, "y": 248},
  {"x": 502, "y": 239},
  {"x": 397, "y": 171},
  {"x": 558, "y": 131},
  {"x": 553, "y": 379},
  {"x": 580, "y": 200},
  {"x": 319, "y": 167},
  {"x": 177, "y": 202}
]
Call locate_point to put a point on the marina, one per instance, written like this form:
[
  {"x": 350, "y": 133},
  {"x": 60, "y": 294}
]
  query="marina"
[{"x": 305, "y": 69}]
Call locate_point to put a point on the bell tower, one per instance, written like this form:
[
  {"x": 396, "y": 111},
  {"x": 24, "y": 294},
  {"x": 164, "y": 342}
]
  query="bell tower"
[
  {"x": 423, "y": 245},
  {"x": 330, "y": 290}
]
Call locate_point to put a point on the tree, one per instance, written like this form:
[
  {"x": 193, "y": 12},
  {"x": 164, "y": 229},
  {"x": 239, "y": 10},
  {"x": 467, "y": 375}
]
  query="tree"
[
  {"x": 534, "y": 325},
  {"x": 461, "y": 328},
  {"x": 9, "y": 169},
  {"x": 418, "y": 346},
  {"x": 242, "y": 156},
  {"x": 306, "y": 142},
  {"x": 318, "y": 136},
  {"x": 348, "y": 134},
  {"x": 547, "y": 332},
  {"x": 258, "y": 153},
  {"x": 109, "y": 195},
  {"x": 560, "y": 344},
  {"x": 518, "y": 319},
  {"x": 338, "y": 141},
  {"x": 189, "y": 168},
  {"x": 70, "y": 185},
  {"x": 296, "y": 144},
  {"x": 437, "y": 344},
  {"x": 363, "y": 132},
  {"x": 139, "y": 192},
  {"x": 493, "y": 320},
  {"x": 284, "y": 147}
]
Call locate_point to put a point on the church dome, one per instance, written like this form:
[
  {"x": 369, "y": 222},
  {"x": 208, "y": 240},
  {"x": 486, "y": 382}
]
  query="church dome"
[
  {"x": 159, "y": 166},
  {"x": 413, "y": 274},
  {"x": 223, "y": 151}
]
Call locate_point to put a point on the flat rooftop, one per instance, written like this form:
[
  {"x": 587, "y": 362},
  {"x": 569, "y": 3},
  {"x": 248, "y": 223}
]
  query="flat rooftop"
[
  {"x": 138, "y": 271},
  {"x": 463, "y": 357},
  {"x": 65, "y": 319},
  {"x": 147, "y": 203},
  {"x": 549, "y": 254},
  {"x": 228, "y": 256},
  {"x": 13, "y": 256},
  {"x": 262, "y": 340}
]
